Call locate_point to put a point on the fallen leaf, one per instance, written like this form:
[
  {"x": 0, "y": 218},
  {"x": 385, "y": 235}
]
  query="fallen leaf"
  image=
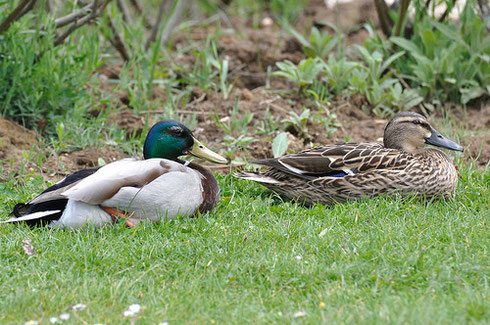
[{"x": 28, "y": 248}]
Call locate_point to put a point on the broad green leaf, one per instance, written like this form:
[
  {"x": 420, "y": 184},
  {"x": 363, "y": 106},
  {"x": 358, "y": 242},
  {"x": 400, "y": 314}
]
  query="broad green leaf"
[
  {"x": 451, "y": 34},
  {"x": 309, "y": 51},
  {"x": 280, "y": 144},
  {"x": 472, "y": 93},
  {"x": 406, "y": 45},
  {"x": 391, "y": 59},
  {"x": 429, "y": 42}
]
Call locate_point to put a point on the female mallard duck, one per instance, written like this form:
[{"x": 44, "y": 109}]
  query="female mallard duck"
[
  {"x": 159, "y": 186},
  {"x": 336, "y": 173}
]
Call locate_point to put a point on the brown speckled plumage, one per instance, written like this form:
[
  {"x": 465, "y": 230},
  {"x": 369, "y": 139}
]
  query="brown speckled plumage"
[{"x": 332, "y": 174}]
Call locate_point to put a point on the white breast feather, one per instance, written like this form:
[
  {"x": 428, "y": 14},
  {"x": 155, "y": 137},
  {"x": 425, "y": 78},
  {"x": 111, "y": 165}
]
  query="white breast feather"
[{"x": 78, "y": 214}]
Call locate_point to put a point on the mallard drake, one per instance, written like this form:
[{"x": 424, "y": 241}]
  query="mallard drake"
[
  {"x": 336, "y": 173},
  {"x": 160, "y": 186}
]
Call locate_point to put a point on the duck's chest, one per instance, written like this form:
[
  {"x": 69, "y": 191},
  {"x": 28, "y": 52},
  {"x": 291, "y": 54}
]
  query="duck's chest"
[{"x": 434, "y": 172}]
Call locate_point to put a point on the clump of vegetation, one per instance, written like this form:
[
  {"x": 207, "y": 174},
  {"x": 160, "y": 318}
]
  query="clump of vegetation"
[
  {"x": 436, "y": 62},
  {"x": 448, "y": 61},
  {"x": 42, "y": 83}
]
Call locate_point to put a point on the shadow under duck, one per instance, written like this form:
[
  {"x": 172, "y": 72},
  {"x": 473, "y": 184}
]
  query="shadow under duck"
[
  {"x": 336, "y": 173},
  {"x": 159, "y": 186}
]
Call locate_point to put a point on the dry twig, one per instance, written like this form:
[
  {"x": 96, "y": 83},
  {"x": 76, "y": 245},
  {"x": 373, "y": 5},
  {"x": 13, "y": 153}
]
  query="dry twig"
[
  {"x": 173, "y": 21},
  {"x": 27, "y": 9},
  {"x": 121, "y": 4},
  {"x": 156, "y": 26},
  {"x": 401, "y": 16},
  {"x": 65, "y": 20},
  {"x": 47, "y": 6},
  {"x": 14, "y": 15},
  {"x": 117, "y": 40},
  {"x": 141, "y": 11},
  {"x": 384, "y": 19},
  {"x": 96, "y": 10},
  {"x": 175, "y": 13},
  {"x": 447, "y": 11}
]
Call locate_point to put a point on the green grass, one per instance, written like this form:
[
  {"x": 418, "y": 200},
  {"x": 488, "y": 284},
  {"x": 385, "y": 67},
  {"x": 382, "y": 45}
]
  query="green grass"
[{"x": 257, "y": 259}]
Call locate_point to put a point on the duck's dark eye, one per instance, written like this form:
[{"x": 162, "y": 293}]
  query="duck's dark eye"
[{"x": 417, "y": 122}]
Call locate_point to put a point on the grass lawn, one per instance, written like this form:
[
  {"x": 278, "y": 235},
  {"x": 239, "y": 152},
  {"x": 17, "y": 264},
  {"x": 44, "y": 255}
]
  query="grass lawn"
[
  {"x": 247, "y": 77},
  {"x": 257, "y": 259}
]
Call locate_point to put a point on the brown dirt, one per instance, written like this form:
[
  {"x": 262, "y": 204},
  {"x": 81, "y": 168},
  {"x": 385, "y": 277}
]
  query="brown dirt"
[
  {"x": 18, "y": 142},
  {"x": 15, "y": 143},
  {"x": 477, "y": 140},
  {"x": 67, "y": 162}
]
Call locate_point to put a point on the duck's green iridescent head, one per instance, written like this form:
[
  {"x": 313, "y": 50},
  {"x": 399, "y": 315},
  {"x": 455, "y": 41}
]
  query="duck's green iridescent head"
[{"x": 171, "y": 139}]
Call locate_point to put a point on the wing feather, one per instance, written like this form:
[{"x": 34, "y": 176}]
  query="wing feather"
[
  {"x": 330, "y": 160},
  {"x": 108, "y": 180}
]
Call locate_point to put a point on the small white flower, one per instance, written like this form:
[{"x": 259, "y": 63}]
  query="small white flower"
[
  {"x": 298, "y": 257},
  {"x": 132, "y": 310},
  {"x": 299, "y": 314},
  {"x": 128, "y": 313},
  {"x": 79, "y": 307},
  {"x": 65, "y": 316},
  {"x": 53, "y": 320},
  {"x": 31, "y": 322},
  {"x": 135, "y": 308},
  {"x": 163, "y": 323}
]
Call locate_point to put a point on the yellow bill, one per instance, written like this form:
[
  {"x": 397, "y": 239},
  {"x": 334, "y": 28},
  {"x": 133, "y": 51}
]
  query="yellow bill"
[{"x": 199, "y": 150}]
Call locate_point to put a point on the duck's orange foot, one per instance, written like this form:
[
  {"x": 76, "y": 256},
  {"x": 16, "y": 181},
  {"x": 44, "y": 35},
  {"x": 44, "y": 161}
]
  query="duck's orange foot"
[
  {"x": 118, "y": 215},
  {"x": 129, "y": 223}
]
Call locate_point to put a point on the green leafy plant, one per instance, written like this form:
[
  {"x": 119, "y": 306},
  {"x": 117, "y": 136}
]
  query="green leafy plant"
[
  {"x": 42, "y": 83},
  {"x": 268, "y": 123},
  {"x": 319, "y": 44},
  {"x": 403, "y": 99},
  {"x": 235, "y": 127},
  {"x": 297, "y": 123},
  {"x": 376, "y": 65},
  {"x": 233, "y": 144},
  {"x": 222, "y": 68},
  {"x": 448, "y": 62},
  {"x": 236, "y": 122},
  {"x": 329, "y": 122},
  {"x": 338, "y": 71},
  {"x": 303, "y": 74}
]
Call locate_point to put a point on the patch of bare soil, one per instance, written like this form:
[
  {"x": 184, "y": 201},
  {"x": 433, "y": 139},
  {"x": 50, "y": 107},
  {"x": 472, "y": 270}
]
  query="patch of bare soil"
[
  {"x": 15, "y": 142},
  {"x": 67, "y": 162},
  {"x": 348, "y": 17},
  {"x": 18, "y": 142},
  {"x": 127, "y": 120},
  {"x": 477, "y": 141}
]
